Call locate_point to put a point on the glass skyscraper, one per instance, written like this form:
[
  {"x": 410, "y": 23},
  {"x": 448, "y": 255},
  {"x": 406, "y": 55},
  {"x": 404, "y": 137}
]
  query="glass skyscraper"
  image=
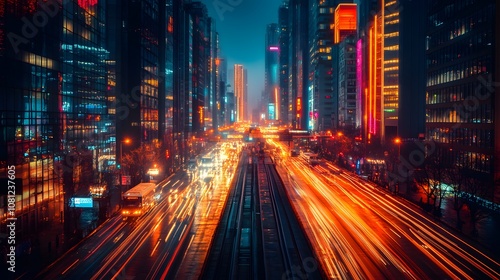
[
  {"x": 460, "y": 99},
  {"x": 54, "y": 103}
]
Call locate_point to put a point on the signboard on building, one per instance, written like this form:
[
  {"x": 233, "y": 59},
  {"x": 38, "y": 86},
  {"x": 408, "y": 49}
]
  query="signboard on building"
[
  {"x": 126, "y": 180},
  {"x": 81, "y": 202}
]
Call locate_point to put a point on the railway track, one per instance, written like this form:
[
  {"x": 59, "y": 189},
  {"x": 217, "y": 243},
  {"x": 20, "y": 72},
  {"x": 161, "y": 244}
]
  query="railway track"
[
  {"x": 258, "y": 236},
  {"x": 231, "y": 253}
]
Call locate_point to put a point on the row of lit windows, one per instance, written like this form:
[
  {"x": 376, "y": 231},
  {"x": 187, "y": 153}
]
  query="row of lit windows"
[
  {"x": 473, "y": 91},
  {"x": 391, "y": 15},
  {"x": 475, "y": 43},
  {"x": 452, "y": 9},
  {"x": 460, "y": 71},
  {"x": 469, "y": 160},
  {"x": 390, "y": 3},
  {"x": 462, "y": 113},
  {"x": 461, "y": 26},
  {"x": 391, "y": 68},
  {"x": 149, "y": 102},
  {"x": 325, "y": 50},
  {"x": 478, "y": 138},
  {"x": 391, "y": 35},
  {"x": 475, "y": 161},
  {"x": 390, "y": 105},
  {"x": 390, "y": 98},
  {"x": 391, "y": 61},
  {"x": 392, "y": 48},
  {"x": 394, "y": 21}
]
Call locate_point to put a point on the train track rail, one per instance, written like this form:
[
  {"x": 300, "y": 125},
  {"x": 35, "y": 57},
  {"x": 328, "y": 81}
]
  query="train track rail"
[{"x": 258, "y": 236}]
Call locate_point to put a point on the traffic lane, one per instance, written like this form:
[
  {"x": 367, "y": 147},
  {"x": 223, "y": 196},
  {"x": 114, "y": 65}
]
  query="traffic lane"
[
  {"x": 86, "y": 258},
  {"x": 91, "y": 250},
  {"x": 167, "y": 224},
  {"x": 439, "y": 241},
  {"x": 363, "y": 252}
]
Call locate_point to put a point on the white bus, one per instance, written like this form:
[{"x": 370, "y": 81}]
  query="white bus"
[
  {"x": 138, "y": 200},
  {"x": 207, "y": 162},
  {"x": 311, "y": 158}
]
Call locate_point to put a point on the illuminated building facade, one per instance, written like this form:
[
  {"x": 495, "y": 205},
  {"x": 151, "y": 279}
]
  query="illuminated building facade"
[
  {"x": 345, "y": 21},
  {"x": 284, "y": 109},
  {"x": 182, "y": 87},
  {"x": 391, "y": 68},
  {"x": 223, "y": 98},
  {"x": 373, "y": 101},
  {"x": 366, "y": 9},
  {"x": 272, "y": 91},
  {"x": 211, "y": 97},
  {"x": 378, "y": 69},
  {"x": 344, "y": 66},
  {"x": 139, "y": 74},
  {"x": 462, "y": 61},
  {"x": 201, "y": 55},
  {"x": 322, "y": 104},
  {"x": 240, "y": 92},
  {"x": 347, "y": 84},
  {"x": 166, "y": 107},
  {"x": 54, "y": 105},
  {"x": 298, "y": 61}
]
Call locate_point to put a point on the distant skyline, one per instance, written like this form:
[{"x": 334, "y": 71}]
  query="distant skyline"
[{"x": 242, "y": 27}]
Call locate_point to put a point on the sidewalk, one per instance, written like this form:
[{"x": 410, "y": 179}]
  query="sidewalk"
[{"x": 487, "y": 229}]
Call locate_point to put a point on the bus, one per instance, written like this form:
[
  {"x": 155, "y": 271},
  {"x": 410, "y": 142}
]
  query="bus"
[
  {"x": 207, "y": 162},
  {"x": 192, "y": 165},
  {"x": 138, "y": 200},
  {"x": 311, "y": 158}
]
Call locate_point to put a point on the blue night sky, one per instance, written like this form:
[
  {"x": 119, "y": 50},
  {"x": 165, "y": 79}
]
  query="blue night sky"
[{"x": 242, "y": 30}]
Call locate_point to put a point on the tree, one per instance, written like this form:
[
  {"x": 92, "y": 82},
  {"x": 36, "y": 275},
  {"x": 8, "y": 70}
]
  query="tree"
[
  {"x": 430, "y": 180},
  {"x": 470, "y": 190},
  {"x": 138, "y": 161},
  {"x": 457, "y": 181},
  {"x": 475, "y": 190}
]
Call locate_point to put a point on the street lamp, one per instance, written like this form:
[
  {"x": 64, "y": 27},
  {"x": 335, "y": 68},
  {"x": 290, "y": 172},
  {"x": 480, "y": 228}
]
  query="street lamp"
[
  {"x": 126, "y": 141},
  {"x": 397, "y": 141}
]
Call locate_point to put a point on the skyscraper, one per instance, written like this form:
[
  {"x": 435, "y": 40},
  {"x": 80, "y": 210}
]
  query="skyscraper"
[
  {"x": 182, "y": 76},
  {"x": 347, "y": 84},
  {"x": 283, "y": 62},
  {"x": 298, "y": 64},
  {"x": 344, "y": 69},
  {"x": 57, "y": 116},
  {"x": 460, "y": 96},
  {"x": 272, "y": 91},
  {"x": 322, "y": 103},
  {"x": 240, "y": 88},
  {"x": 139, "y": 57},
  {"x": 390, "y": 89},
  {"x": 201, "y": 56}
]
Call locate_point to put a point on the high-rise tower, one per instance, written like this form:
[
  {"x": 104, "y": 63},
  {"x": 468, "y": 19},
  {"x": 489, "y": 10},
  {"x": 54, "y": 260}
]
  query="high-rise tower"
[
  {"x": 272, "y": 91},
  {"x": 240, "y": 92}
]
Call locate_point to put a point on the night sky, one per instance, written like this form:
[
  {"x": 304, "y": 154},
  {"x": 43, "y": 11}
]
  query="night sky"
[{"x": 242, "y": 30}]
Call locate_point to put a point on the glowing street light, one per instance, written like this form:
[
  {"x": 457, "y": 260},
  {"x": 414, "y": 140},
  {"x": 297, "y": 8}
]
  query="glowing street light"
[
  {"x": 397, "y": 141},
  {"x": 126, "y": 141}
]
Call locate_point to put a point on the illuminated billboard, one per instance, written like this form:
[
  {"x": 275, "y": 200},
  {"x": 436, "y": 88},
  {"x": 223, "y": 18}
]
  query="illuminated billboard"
[
  {"x": 81, "y": 202},
  {"x": 271, "y": 111}
]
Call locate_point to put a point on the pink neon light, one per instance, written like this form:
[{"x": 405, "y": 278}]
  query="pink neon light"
[
  {"x": 274, "y": 48},
  {"x": 359, "y": 80}
]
